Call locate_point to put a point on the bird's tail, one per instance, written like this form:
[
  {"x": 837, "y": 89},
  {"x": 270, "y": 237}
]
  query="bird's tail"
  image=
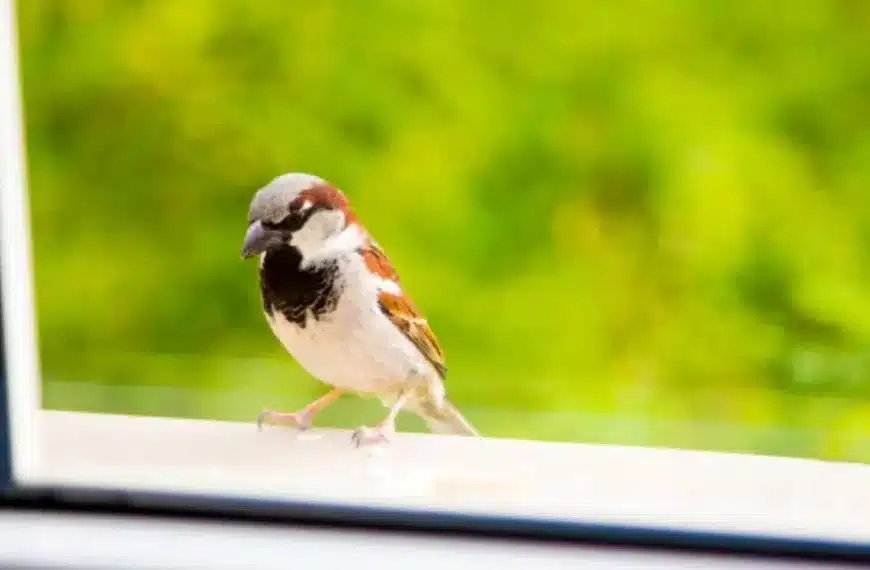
[{"x": 445, "y": 419}]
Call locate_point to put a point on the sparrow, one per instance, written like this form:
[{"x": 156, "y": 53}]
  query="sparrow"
[{"x": 333, "y": 299}]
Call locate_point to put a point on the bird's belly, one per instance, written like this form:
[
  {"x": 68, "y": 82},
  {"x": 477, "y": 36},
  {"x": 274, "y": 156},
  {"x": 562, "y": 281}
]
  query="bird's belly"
[{"x": 344, "y": 351}]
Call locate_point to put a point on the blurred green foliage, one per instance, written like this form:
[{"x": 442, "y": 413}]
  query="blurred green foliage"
[{"x": 633, "y": 221}]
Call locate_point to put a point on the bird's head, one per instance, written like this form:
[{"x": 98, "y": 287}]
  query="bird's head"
[{"x": 299, "y": 210}]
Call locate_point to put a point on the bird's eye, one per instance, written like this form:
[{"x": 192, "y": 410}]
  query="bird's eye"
[{"x": 306, "y": 205}]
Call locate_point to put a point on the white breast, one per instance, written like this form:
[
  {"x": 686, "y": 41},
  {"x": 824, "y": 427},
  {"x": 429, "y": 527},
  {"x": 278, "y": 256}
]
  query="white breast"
[{"x": 355, "y": 347}]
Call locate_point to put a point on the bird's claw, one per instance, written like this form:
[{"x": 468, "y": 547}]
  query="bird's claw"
[
  {"x": 367, "y": 436},
  {"x": 263, "y": 417}
]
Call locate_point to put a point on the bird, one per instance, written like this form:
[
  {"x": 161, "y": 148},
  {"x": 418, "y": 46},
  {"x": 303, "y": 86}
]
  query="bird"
[{"x": 335, "y": 302}]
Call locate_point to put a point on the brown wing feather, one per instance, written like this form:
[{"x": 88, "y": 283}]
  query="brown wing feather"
[
  {"x": 378, "y": 263},
  {"x": 408, "y": 319},
  {"x": 402, "y": 311}
]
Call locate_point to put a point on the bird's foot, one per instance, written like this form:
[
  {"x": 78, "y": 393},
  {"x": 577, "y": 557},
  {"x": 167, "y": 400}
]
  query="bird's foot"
[
  {"x": 300, "y": 420},
  {"x": 380, "y": 434}
]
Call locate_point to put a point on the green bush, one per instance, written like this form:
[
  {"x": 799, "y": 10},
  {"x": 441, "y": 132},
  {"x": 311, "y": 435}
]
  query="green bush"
[{"x": 641, "y": 222}]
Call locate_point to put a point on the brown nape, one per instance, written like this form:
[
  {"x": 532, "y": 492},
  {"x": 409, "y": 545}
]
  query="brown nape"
[{"x": 325, "y": 196}]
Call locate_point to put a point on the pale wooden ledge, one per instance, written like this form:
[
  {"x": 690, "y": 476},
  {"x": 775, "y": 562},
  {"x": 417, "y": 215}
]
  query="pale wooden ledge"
[{"x": 694, "y": 490}]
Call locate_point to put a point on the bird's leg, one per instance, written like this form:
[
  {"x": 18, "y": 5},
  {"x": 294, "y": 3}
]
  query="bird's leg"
[
  {"x": 304, "y": 417},
  {"x": 382, "y": 432}
]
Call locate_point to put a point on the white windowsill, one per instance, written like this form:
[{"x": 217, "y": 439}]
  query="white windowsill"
[{"x": 684, "y": 489}]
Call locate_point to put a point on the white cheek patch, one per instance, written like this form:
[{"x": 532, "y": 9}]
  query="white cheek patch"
[
  {"x": 349, "y": 239},
  {"x": 316, "y": 233}
]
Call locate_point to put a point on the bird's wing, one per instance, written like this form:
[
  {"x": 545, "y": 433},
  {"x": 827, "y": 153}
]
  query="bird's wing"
[
  {"x": 378, "y": 263},
  {"x": 400, "y": 309},
  {"x": 408, "y": 319}
]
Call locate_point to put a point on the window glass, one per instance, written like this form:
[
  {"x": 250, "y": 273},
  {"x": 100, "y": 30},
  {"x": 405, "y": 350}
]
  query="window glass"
[{"x": 629, "y": 223}]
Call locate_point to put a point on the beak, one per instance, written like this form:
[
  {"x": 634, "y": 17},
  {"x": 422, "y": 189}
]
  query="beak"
[{"x": 258, "y": 239}]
